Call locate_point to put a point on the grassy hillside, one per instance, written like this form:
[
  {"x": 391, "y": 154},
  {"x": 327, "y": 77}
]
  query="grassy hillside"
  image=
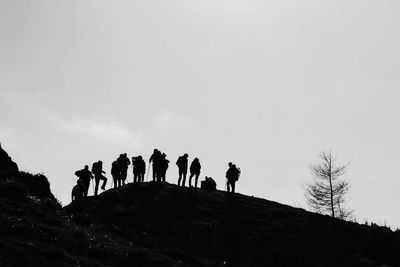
[
  {"x": 201, "y": 228},
  {"x": 153, "y": 224}
]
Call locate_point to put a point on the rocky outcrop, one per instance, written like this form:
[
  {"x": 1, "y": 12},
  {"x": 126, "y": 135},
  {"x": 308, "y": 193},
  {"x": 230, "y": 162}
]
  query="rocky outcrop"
[{"x": 7, "y": 166}]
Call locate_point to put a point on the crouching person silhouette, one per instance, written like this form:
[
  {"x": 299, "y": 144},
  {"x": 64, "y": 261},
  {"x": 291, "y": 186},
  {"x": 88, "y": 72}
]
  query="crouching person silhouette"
[
  {"x": 97, "y": 170},
  {"x": 77, "y": 192},
  {"x": 208, "y": 184},
  {"x": 232, "y": 176}
]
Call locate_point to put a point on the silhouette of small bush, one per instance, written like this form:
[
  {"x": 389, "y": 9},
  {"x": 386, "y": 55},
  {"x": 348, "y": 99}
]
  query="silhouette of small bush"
[{"x": 37, "y": 184}]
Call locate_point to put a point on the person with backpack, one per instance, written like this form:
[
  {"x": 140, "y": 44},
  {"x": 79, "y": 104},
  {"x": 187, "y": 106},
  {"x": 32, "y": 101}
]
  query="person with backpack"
[
  {"x": 135, "y": 163},
  {"x": 195, "y": 168},
  {"x": 84, "y": 176},
  {"x": 77, "y": 192},
  {"x": 140, "y": 167},
  {"x": 164, "y": 164},
  {"x": 182, "y": 164},
  {"x": 97, "y": 170},
  {"x": 156, "y": 159},
  {"x": 232, "y": 176},
  {"x": 123, "y": 163},
  {"x": 116, "y": 173}
]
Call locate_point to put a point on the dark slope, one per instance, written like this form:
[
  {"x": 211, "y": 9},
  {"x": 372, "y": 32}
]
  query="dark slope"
[
  {"x": 36, "y": 231},
  {"x": 163, "y": 225},
  {"x": 203, "y": 228}
]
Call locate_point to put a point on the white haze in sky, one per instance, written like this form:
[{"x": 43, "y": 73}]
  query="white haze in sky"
[{"x": 265, "y": 84}]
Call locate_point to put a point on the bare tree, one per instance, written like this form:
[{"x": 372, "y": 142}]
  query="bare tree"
[{"x": 326, "y": 193}]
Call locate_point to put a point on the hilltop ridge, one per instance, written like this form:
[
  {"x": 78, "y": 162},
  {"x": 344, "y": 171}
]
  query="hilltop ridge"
[{"x": 160, "y": 224}]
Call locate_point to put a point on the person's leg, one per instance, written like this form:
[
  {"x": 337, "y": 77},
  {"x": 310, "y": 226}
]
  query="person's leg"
[
  {"x": 154, "y": 174},
  {"x": 227, "y": 186},
  {"x": 233, "y": 187},
  {"x": 124, "y": 175},
  {"x": 184, "y": 179},
  {"x": 180, "y": 177},
  {"x": 104, "y": 182},
  {"x": 86, "y": 188},
  {"x": 197, "y": 178},
  {"x": 96, "y": 187},
  {"x": 190, "y": 179}
]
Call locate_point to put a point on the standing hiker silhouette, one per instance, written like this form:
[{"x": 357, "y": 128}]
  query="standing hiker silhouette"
[
  {"x": 195, "y": 168},
  {"x": 155, "y": 161},
  {"x": 84, "y": 176},
  {"x": 123, "y": 163},
  {"x": 116, "y": 174},
  {"x": 77, "y": 192},
  {"x": 97, "y": 170},
  {"x": 164, "y": 163},
  {"x": 182, "y": 164},
  {"x": 232, "y": 176}
]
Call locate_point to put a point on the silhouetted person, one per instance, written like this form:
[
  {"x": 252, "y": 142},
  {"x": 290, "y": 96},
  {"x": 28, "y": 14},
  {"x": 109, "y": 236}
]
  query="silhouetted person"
[
  {"x": 139, "y": 169},
  {"x": 77, "y": 191},
  {"x": 85, "y": 175},
  {"x": 116, "y": 173},
  {"x": 123, "y": 163},
  {"x": 155, "y": 158},
  {"x": 232, "y": 175},
  {"x": 208, "y": 184},
  {"x": 195, "y": 168},
  {"x": 182, "y": 164},
  {"x": 164, "y": 163},
  {"x": 97, "y": 170}
]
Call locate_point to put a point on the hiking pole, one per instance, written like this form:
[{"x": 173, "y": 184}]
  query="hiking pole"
[
  {"x": 93, "y": 185},
  {"x": 148, "y": 172}
]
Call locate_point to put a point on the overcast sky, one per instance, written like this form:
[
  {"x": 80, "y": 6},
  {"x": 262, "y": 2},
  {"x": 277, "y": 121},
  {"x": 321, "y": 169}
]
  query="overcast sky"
[{"x": 265, "y": 84}]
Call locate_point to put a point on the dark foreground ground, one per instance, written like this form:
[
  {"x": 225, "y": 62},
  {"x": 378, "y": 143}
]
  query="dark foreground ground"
[{"x": 163, "y": 225}]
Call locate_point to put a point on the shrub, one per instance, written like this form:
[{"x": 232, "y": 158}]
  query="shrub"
[{"x": 37, "y": 184}]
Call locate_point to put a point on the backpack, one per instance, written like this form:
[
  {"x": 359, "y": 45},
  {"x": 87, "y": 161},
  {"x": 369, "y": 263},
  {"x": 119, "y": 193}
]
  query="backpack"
[
  {"x": 95, "y": 167},
  {"x": 235, "y": 173},
  {"x": 238, "y": 172},
  {"x": 179, "y": 161},
  {"x": 78, "y": 173}
]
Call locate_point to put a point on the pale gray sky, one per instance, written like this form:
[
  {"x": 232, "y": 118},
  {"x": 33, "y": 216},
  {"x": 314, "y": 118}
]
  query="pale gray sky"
[{"x": 265, "y": 84}]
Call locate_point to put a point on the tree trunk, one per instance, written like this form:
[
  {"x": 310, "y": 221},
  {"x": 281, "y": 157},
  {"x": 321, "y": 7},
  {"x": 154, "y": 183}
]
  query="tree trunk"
[{"x": 330, "y": 184}]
